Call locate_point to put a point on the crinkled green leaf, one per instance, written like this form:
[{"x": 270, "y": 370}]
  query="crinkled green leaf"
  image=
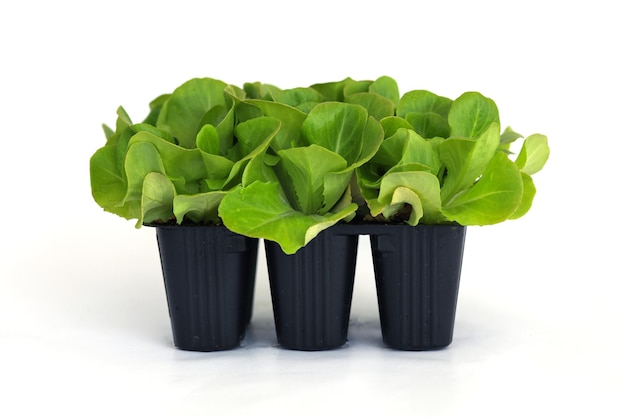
[
  {"x": 471, "y": 114},
  {"x": 261, "y": 210},
  {"x": 492, "y": 199},
  {"x": 534, "y": 154}
]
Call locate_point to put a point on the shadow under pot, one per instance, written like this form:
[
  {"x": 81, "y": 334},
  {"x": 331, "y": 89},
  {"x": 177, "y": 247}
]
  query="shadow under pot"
[
  {"x": 209, "y": 274},
  {"x": 417, "y": 270},
  {"x": 312, "y": 291}
]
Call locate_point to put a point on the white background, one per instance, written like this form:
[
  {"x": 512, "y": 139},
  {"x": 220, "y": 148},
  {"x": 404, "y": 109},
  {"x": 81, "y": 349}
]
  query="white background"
[{"x": 83, "y": 319}]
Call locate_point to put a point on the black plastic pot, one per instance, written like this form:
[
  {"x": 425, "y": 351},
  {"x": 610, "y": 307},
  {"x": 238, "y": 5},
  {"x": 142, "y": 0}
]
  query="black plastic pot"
[
  {"x": 209, "y": 274},
  {"x": 312, "y": 290},
  {"x": 417, "y": 272}
]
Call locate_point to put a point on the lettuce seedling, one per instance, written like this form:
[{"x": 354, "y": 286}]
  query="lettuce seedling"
[
  {"x": 285, "y": 164},
  {"x": 157, "y": 174},
  {"x": 446, "y": 161},
  {"x": 298, "y": 191}
]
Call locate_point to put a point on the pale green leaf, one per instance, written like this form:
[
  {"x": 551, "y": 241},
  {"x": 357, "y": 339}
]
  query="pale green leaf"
[
  {"x": 157, "y": 198},
  {"x": 527, "y": 197},
  {"x": 472, "y": 114},
  {"x": 534, "y": 154}
]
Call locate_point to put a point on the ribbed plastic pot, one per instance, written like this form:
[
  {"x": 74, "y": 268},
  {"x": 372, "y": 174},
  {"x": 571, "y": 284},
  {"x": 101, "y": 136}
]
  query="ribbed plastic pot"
[
  {"x": 312, "y": 291},
  {"x": 417, "y": 272},
  {"x": 209, "y": 274}
]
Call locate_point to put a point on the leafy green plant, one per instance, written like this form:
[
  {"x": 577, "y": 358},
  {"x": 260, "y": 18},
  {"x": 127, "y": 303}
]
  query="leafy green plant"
[
  {"x": 446, "y": 161},
  {"x": 304, "y": 188},
  {"x": 285, "y": 164},
  {"x": 180, "y": 162}
]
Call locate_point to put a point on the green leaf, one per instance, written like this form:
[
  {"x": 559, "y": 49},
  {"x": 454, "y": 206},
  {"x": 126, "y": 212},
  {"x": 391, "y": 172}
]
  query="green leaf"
[
  {"x": 466, "y": 159},
  {"x": 429, "y": 125},
  {"x": 391, "y": 125},
  {"x": 260, "y": 91},
  {"x": 199, "y": 208},
  {"x": 108, "y": 186},
  {"x": 186, "y": 168},
  {"x": 386, "y": 87},
  {"x": 337, "y": 127},
  {"x": 261, "y": 210},
  {"x": 376, "y": 105},
  {"x": 142, "y": 159},
  {"x": 302, "y": 172},
  {"x": 471, "y": 114},
  {"x": 290, "y": 118},
  {"x": 333, "y": 91},
  {"x": 423, "y": 196},
  {"x": 296, "y": 97},
  {"x": 400, "y": 198},
  {"x": 405, "y": 147},
  {"x": 208, "y": 140},
  {"x": 223, "y": 119},
  {"x": 422, "y": 101},
  {"x": 344, "y": 129},
  {"x": 123, "y": 120},
  {"x": 355, "y": 87},
  {"x": 156, "y": 106},
  {"x": 527, "y": 197},
  {"x": 260, "y": 168},
  {"x": 157, "y": 198},
  {"x": 509, "y": 136},
  {"x": 492, "y": 199},
  {"x": 534, "y": 154},
  {"x": 253, "y": 138},
  {"x": 183, "y": 112}
]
